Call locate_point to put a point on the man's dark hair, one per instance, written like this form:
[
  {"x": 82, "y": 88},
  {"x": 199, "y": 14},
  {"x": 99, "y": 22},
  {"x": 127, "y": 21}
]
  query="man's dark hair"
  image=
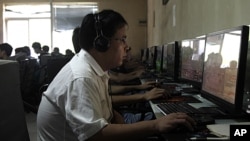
[
  {"x": 110, "y": 22},
  {"x": 7, "y": 48},
  {"x": 45, "y": 48},
  {"x": 75, "y": 39},
  {"x": 27, "y": 50},
  {"x": 36, "y": 45}
]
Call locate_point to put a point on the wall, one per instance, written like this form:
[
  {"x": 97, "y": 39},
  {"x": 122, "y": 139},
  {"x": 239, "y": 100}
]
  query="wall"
[
  {"x": 183, "y": 19},
  {"x": 193, "y": 18},
  {"x": 133, "y": 11}
]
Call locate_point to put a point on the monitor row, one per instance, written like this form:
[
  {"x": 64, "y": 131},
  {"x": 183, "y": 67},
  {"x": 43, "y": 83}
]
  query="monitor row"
[{"x": 215, "y": 64}]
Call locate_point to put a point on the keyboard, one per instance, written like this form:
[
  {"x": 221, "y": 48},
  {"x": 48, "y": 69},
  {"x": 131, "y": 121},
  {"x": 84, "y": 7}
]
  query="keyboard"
[
  {"x": 167, "y": 108},
  {"x": 176, "y": 99},
  {"x": 200, "y": 117}
]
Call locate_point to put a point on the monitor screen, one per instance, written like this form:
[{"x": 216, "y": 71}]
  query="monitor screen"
[
  {"x": 224, "y": 68},
  {"x": 170, "y": 60},
  {"x": 152, "y": 57},
  {"x": 158, "y": 59},
  {"x": 144, "y": 55},
  {"x": 192, "y": 57}
]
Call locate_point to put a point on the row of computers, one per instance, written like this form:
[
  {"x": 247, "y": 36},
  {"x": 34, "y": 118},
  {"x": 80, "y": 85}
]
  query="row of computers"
[{"x": 214, "y": 64}]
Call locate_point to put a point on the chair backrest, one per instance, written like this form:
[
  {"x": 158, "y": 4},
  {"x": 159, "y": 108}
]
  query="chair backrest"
[
  {"x": 54, "y": 65},
  {"x": 13, "y": 125},
  {"x": 29, "y": 78}
]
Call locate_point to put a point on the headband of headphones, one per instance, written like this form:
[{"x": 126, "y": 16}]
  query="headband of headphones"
[{"x": 101, "y": 42}]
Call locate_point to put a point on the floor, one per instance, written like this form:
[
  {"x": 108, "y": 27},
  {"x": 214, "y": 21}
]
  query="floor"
[{"x": 31, "y": 124}]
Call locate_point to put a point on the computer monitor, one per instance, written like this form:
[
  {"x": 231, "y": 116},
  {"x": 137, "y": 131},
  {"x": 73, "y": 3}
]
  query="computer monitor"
[
  {"x": 144, "y": 55},
  {"x": 152, "y": 57},
  {"x": 170, "y": 60},
  {"x": 246, "y": 97},
  {"x": 192, "y": 58},
  {"x": 158, "y": 59},
  {"x": 224, "y": 68}
]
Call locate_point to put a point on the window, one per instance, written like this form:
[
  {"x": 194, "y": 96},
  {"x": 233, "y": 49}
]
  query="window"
[{"x": 26, "y": 24}]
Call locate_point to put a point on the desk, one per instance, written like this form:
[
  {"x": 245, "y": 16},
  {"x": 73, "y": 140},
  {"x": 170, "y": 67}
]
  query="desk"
[{"x": 204, "y": 102}]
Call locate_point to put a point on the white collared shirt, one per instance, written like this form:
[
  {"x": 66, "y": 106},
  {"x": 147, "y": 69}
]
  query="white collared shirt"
[{"x": 79, "y": 101}]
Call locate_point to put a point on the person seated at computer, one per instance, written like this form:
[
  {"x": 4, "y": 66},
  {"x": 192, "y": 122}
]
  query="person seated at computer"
[
  {"x": 5, "y": 51},
  {"x": 77, "y": 105},
  {"x": 145, "y": 92},
  {"x": 69, "y": 52},
  {"x": 118, "y": 77},
  {"x": 129, "y": 116},
  {"x": 135, "y": 106},
  {"x": 45, "y": 50},
  {"x": 116, "y": 89},
  {"x": 128, "y": 66},
  {"x": 37, "y": 48},
  {"x": 19, "y": 54},
  {"x": 56, "y": 52},
  {"x": 22, "y": 53},
  {"x": 130, "y": 63}
]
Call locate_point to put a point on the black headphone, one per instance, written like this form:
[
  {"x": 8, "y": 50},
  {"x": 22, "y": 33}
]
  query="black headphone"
[{"x": 101, "y": 43}]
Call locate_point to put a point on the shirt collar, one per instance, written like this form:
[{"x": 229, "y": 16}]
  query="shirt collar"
[{"x": 92, "y": 62}]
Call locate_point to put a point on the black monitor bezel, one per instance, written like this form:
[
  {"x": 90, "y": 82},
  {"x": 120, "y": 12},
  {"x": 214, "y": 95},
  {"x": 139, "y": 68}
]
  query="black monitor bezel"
[
  {"x": 225, "y": 105},
  {"x": 145, "y": 55},
  {"x": 175, "y": 74},
  {"x": 151, "y": 57}
]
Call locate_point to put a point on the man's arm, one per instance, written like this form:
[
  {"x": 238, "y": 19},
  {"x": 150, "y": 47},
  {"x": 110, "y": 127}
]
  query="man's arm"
[
  {"x": 120, "y": 77},
  {"x": 116, "y": 89},
  {"x": 128, "y": 99},
  {"x": 135, "y": 131}
]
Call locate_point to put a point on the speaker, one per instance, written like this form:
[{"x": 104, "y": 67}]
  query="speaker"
[{"x": 101, "y": 43}]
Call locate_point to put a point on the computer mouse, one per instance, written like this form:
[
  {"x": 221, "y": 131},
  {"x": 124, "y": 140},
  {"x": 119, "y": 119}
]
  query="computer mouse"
[
  {"x": 203, "y": 119},
  {"x": 180, "y": 129},
  {"x": 176, "y": 93}
]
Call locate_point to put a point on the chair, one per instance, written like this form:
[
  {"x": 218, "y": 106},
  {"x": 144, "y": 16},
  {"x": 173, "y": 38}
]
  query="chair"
[
  {"x": 13, "y": 125},
  {"x": 54, "y": 65},
  {"x": 29, "y": 78}
]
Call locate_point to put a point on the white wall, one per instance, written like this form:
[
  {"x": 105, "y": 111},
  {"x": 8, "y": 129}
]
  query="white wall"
[{"x": 194, "y": 18}]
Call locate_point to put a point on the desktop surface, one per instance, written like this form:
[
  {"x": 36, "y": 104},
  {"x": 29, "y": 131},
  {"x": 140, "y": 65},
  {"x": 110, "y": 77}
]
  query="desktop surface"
[{"x": 205, "y": 121}]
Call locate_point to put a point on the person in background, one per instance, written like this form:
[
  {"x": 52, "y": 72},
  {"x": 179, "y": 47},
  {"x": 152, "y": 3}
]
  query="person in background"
[
  {"x": 69, "y": 52},
  {"x": 37, "y": 48},
  {"x": 20, "y": 54},
  {"x": 56, "y": 52},
  {"x": 45, "y": 49},
  {"x": 5, "y": 51},
  {"x": 119, "y": 77},
  {"x": 77, "y": 105}
]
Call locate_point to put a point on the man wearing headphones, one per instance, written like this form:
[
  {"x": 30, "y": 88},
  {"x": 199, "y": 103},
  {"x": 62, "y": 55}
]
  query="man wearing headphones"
[{"x": 77, "y": 104}]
